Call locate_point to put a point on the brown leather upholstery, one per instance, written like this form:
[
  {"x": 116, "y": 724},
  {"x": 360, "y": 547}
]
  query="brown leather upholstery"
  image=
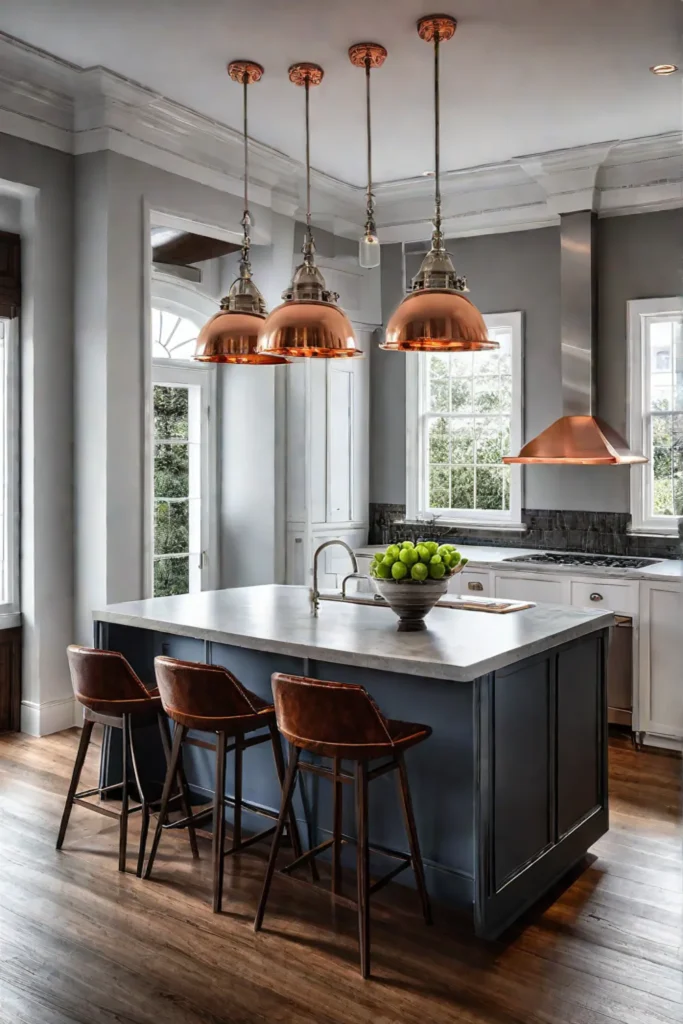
[
  {"x": 209, "y": 698},
  {"x": 104, "y": 682},
  {"x": 338, "y": 720}
]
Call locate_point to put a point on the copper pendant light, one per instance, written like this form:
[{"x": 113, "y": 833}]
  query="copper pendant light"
[
  {"x": 230, "y": 336},
  {"x": 435, "y": 316},
  {"x": 309, "y": 324},
  {"x": 368, "y": 55}
]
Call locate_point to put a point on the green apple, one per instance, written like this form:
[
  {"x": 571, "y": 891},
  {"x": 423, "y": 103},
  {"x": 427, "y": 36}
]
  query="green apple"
[
  {"x": 424, "y": 553},
  {"x": 409, "y": 556},
  {"x": 432, "y": 545},
  {"x": 399, "y": 570},
  {"x": 435, "y": 560},
  {"x": 437, "y": 570},
  {"x": 389, "y": 560},
  {"x": 383, "y": 571},
  {"x": 407, "y": 544},
  {"x": 393, "y": 550},
  {"x": 419, "y": 571}
]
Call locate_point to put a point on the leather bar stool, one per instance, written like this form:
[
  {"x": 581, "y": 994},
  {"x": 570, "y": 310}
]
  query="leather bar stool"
[
  {"x": 342, "y": 722},
  {"x": 209, "y": 699},
  {"x": 112, "y": 695}
]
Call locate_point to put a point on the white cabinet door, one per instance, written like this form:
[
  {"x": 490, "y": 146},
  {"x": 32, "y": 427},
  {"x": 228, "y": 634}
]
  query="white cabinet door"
[
  {"x": 661, "y": 675},
  {"x": 340, "y": 437},
  {"x": 517, "y": 586}
]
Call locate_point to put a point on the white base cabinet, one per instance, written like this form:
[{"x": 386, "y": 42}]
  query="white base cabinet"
[{"x": 660, "y": 693}]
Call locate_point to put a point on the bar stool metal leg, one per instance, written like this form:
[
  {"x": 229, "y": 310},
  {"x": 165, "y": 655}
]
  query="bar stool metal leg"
[
  {"x": 144, "y": 806},
  {"x": 363, "y": 866},
  {"x": 123, "y": 821},
  {"x": 86, "y": 733},
  {"x": 285, "y": 807},
  {"x": 219, "y": 823},
  {"x": 178, "y": 737},
  {"x": 337, "y": 811},
  {"x": 413, "y": 840},
  {"x": 185, "y": 803}
]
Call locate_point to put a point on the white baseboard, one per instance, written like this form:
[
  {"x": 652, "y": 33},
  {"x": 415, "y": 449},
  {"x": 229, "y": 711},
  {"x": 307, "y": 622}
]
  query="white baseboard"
[
  {"x": 52, "y": 716},
  {"x": 651, "y": 739}
]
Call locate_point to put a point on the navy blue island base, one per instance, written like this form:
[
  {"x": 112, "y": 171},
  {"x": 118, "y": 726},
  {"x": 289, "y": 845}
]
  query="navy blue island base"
[{"x": 509, "y": 792}]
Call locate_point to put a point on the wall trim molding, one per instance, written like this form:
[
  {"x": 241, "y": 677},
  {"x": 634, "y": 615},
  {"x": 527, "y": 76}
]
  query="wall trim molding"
[
  {"x": 54, "y": 103},
  {"x": 48, "y": 717}
]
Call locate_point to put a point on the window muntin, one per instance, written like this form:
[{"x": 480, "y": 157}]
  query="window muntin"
[
  {"x": 9, "y": 452},
  {"x": 173, "y": 336}
]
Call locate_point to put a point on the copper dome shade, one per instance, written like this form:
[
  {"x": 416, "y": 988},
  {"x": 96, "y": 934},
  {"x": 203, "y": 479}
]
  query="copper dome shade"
[
  {"x": 231, "y": 335},
  {"x": 437, "y": 320}
]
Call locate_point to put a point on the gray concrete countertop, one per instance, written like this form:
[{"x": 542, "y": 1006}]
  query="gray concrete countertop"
[
  {"x": 458, "y": 645},
  {"x": 668, "y": 569}
]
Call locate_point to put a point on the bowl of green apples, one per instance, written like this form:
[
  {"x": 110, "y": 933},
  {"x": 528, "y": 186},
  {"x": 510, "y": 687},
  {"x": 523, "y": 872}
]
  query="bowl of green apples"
[{"x": 412, "y": 577}]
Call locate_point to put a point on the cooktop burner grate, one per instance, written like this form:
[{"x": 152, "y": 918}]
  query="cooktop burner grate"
[{"x": 597, "y": 561}]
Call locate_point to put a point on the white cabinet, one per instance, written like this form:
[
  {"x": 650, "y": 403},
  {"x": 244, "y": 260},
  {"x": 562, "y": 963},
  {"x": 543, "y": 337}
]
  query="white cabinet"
[
  {"x": 326, "y": 461},
  {"x": 537, "y": 587},
  {"x": 660, "y": 712},
  {"x": 600, "y": 593}
]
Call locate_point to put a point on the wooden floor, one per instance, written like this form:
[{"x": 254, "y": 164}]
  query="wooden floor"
[{"x": 80, "y": 942}]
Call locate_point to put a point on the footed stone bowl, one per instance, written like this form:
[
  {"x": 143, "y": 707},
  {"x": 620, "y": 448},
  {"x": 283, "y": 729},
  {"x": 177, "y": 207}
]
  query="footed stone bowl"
[{"x": 411, "y": 600}]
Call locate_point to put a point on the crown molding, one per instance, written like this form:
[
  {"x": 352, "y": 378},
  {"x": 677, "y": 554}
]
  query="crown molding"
[{"x": 78, "y": 110}]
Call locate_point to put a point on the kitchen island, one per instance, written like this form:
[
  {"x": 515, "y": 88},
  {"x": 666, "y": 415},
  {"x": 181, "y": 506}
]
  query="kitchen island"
[{"x": 510, "y": 791}]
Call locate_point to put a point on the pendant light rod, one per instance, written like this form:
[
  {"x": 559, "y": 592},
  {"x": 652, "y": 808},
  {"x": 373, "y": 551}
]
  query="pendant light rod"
[
  {"x": 307, "y": 90},
  {"x": 368, "y": 56},
  {"x": 245, "y": 72},
  {"x": 437, "y": 139}
]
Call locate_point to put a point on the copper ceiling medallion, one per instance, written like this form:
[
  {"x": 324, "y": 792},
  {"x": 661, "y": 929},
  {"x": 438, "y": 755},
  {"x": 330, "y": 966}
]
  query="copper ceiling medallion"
[
  {"x": 303, "y": 73},
  {"x": 245, "y": 72},
  {"x": 436, "y": 25},
  {"x": 360, "y": 54}
]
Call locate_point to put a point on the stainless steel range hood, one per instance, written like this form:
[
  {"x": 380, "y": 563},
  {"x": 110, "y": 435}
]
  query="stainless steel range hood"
[{"x": 578, "y": 438}]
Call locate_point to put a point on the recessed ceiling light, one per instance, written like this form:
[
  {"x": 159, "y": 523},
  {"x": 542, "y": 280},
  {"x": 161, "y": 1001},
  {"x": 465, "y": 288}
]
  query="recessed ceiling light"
[
  {"x": 664, "y": 69},
  {"x": 428, "y": 174}
]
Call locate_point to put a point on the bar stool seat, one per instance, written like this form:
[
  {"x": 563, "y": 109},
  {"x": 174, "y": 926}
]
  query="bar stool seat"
[
  {"x": 112, "y": 695},
  {"x": 342, "y": 722},
  {"x": 210, "y": 699}
]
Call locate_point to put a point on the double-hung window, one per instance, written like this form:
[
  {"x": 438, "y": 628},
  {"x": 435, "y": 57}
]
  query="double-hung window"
[
  {"x": 183, "y": 471},
  {"x": 656, "y": 412},
  {"x": 464, "y": 413}
]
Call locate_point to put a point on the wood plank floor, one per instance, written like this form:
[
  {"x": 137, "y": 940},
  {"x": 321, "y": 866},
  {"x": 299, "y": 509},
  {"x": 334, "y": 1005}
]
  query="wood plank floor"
[{"x": 80, "y": 942}]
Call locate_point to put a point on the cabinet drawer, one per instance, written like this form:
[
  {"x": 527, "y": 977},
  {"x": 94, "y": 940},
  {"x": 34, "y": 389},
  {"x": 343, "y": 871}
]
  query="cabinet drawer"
[
  {"x": 517, "y": 586},
  {"x": 474, "y": 584},
  {"x": 597, "y": 593}
]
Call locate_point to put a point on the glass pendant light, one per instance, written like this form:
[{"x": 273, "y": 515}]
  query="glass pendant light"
[
  {"x": 368, "y": 55},
  {"x": 435, "y": 316},
  {"x": 230, "y": 336},
  {"x": 309, "y": 323}
]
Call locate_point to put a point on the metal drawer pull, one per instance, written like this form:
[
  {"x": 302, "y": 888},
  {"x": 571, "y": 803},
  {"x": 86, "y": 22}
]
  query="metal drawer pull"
[
  {"x": 596, "y": 597},
  {"x": 475, "y": 586}
]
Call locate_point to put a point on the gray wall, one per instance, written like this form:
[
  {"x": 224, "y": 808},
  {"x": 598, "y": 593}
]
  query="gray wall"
[
  {"x": 41, "y": 179},
  {"x": 639, "y": 257}
]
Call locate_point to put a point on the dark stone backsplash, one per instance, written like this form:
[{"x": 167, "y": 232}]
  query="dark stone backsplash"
[{"x": 599, "y": 533}]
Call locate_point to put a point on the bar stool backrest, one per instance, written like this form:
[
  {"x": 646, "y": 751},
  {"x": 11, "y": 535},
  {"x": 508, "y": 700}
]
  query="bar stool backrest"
[
  {"x": 201, "y": 691},
  {"x": 313, "y": 712},
  {"x": 102, "y": 678}
]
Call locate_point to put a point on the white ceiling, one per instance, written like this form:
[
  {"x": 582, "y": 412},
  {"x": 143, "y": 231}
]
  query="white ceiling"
[{"x": 520, "y": 76}]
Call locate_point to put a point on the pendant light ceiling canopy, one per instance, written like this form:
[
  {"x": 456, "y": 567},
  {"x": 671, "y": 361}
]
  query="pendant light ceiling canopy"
[
  {"x": 368, "y": 56},
  {"x": 435, "y": 316},
  {"x": 309, "y": 324},
  {"x": 231, "y": 335}
]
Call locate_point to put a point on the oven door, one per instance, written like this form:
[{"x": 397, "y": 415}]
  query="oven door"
[{"x": 620, "y": 672}]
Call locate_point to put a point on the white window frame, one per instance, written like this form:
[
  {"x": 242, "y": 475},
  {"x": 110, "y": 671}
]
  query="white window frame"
[
  {"x": 187, "y": 373},
  {"x": 640, "y": 311},
  {"x": 416, "y": 399},
  {"x": 10, "y": 458}
]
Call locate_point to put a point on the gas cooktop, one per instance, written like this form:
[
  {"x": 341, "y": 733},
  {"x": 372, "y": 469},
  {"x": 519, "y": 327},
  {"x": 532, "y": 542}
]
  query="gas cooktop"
[{"x": 571, "y": 559}]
